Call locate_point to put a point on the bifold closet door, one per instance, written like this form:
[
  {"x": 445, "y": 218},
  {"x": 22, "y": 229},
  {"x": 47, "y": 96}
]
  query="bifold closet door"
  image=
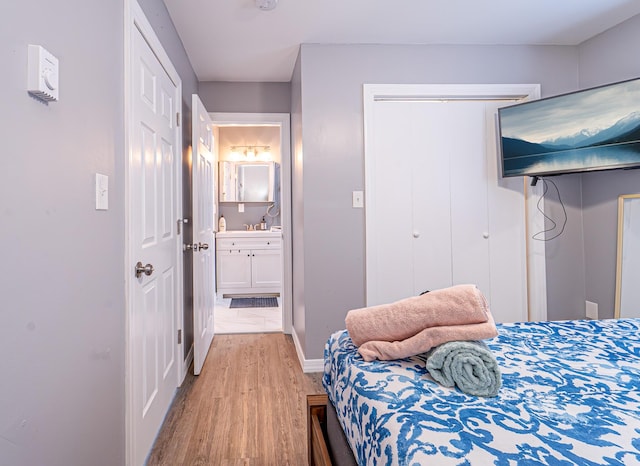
[
  {"x": 429, "y": 199},
  {"x": 470, "y": 236},
  {"x": 437, "y": 212},
  {"x": 409, "y": 233}
]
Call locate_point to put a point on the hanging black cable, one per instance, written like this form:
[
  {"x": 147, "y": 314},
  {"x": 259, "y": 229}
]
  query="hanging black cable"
[{"x": 545, "y": 188}]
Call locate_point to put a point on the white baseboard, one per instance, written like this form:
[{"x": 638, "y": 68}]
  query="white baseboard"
[{"x": 308, "y": 365}]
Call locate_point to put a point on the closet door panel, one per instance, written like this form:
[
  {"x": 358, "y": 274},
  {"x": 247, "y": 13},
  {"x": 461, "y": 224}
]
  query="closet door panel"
[
  {"x": 431, "y": 184},
  {"x": 507, "y": 242},
  {"x": 390, "y": 253},
  {"x": 469, "y": 211}
]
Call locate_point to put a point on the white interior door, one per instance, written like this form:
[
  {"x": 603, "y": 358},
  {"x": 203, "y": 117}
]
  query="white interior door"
[
  {"x": 153, "y": 211},
  {"x": 203, "y": 180}
]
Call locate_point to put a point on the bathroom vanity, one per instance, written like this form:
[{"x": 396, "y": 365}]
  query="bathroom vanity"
[{"x": 249, "y": 262}]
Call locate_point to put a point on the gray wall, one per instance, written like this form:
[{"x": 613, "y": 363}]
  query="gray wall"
[
  {"x": 565, "y": 253},
  {"x": 297, "y": 202},
  {"x": 62, "y": 331},
  {"x": 62, "y": 392},
  {"x": 157, "y": 14},
  {"x": 332, "y": 127},
  {"x": 243, "y": 97},
  {"x": 609, "y": 57}
]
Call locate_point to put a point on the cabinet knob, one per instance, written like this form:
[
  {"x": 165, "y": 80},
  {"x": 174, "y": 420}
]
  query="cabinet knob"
[
  {"x": 485, "y": 235},
  {"x": 416, "y": 234}
]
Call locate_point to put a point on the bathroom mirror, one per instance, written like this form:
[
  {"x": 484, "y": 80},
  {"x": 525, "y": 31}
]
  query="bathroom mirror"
[
  {"x": 627, "y": 302},
  {"x": 247, "y": 181}
]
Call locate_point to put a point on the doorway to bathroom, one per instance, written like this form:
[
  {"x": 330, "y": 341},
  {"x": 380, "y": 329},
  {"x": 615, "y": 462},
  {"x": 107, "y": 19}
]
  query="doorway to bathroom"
[{"x": 261, "y": 269}]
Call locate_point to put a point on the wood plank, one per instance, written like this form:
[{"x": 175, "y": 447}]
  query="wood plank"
[
  {"x": 247, "y": 407},
  {"x": 318, "y": 454}
]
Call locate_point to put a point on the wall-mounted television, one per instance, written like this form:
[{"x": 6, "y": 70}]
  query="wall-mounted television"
[{"x": 587, "y": 130}]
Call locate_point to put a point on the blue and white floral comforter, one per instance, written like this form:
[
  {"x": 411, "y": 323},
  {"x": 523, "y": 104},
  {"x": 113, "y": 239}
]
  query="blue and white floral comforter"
[{"x": 570, "y": 396}]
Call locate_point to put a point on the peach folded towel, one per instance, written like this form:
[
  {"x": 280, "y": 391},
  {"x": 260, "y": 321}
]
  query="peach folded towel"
[
  {"x": 414, "y": 325},
  {"x": 456, "y": 305},
  {"x": 427, "y": 339}
]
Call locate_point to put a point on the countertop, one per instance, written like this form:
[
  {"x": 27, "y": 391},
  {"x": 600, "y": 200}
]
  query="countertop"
[{"x": 249, "y": 234}]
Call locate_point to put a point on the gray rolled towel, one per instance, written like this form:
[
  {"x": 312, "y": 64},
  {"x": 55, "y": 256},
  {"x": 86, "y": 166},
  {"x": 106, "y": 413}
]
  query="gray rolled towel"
[{"x": 469, "y": 365}]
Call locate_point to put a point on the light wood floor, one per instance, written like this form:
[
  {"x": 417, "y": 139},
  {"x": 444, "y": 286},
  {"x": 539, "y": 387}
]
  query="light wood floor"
[{"x": 247, "y": 407}]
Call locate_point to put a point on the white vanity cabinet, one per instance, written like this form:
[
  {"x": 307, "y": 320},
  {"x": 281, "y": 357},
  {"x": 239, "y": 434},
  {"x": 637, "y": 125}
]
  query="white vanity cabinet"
[{"x": 249, "y": 262}]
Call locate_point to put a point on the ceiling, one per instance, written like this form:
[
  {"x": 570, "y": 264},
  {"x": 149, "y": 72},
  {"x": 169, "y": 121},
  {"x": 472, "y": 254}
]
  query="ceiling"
[{"x": 233, "y": 40}]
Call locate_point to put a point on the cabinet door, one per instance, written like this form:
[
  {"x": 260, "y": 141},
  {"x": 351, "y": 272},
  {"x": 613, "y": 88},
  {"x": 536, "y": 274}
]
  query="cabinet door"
[
  {"x": 234, "y": 268},
  {"x": 265, "y": 268}
]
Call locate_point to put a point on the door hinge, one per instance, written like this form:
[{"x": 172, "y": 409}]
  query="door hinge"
[
  {"x": 178, "y": 118},
  {"x": 180, "y": 221},
  {"x": 180, "y": 336}
]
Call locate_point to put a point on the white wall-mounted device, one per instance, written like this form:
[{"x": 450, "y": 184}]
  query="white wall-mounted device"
[
  {"x": 42, "y": 79},
  {"x": 266, "y": 5},
  {"x": 102, "y": 192}
]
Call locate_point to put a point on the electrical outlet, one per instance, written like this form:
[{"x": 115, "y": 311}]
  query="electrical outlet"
[{"x": 591, "y": 310}]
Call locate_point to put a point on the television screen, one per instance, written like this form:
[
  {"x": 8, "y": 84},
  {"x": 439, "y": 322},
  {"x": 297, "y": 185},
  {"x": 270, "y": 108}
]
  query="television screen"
[{"x": 592, "y": 129}]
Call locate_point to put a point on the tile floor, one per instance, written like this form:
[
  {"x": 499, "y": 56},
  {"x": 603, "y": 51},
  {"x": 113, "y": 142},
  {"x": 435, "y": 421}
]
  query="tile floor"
[{"x": 246, "y": 320}]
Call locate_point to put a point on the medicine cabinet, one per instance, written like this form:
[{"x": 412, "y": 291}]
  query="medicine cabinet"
[{"x": 248, "y": 181}]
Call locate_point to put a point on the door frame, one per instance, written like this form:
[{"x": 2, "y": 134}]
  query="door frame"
[
  {"x": 535, "y": 250},
  {"x": 135, "y": 19},
  {"x": 283, "y": 121}
]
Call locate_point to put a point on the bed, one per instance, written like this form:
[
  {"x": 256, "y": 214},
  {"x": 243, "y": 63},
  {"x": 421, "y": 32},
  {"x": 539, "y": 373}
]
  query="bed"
[{"x": 570, "y": 395}]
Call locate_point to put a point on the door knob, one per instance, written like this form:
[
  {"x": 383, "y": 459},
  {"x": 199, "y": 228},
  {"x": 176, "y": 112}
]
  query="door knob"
[
  {"x": 204, "y": 246},
  {"x": 143, "y": 269}
]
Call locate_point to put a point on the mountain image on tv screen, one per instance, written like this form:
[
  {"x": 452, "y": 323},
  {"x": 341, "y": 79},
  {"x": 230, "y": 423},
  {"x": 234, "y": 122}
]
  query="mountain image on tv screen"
[{"x": 594, "y": 129}]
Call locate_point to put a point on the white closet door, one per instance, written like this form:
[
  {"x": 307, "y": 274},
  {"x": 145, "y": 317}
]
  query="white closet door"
[
  {"x": 410, "y": 235},
  {"x": 507, "y": 228},
  {"x": 437, "y": 212},
  {"x": 431, "y": 228},
  {"x": 469, "y": 210},
  {"x": 389, "y": 196}
]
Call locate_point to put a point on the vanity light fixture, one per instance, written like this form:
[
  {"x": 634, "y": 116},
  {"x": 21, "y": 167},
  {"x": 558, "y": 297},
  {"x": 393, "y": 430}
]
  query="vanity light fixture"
[{"x": 251, "y": 152}]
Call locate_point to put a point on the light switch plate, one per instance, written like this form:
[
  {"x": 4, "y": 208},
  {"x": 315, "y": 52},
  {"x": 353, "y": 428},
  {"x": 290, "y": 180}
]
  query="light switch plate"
[
  {"x": 357, "y": 199},
  {"x": 240, "y": 207},
  {"x": 591, "y": 310},
  {"x": 102, "y": 192}
]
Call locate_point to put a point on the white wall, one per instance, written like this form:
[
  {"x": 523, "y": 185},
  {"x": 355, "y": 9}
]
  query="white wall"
[
  {"x": 62, "y": 399},
  {"x": 331, "y": 78}
]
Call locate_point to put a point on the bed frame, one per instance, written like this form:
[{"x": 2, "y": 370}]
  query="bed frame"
[
  {"x": 317, "y": 430},
  {"x": 326, "y": 442}
]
